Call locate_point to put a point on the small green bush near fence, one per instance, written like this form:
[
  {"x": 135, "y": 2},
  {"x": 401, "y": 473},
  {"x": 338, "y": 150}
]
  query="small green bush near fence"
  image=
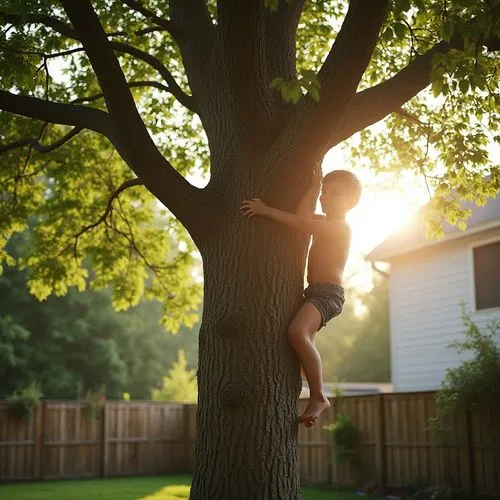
[{"x": 137, "y": 488}]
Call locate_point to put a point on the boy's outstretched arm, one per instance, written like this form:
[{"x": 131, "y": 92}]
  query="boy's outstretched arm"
[{"x": 299, "y": 222}]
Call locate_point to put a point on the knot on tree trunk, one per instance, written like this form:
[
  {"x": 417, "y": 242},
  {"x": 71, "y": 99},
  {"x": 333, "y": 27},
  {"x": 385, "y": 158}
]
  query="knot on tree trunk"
[{"x": 233, "y": 396}]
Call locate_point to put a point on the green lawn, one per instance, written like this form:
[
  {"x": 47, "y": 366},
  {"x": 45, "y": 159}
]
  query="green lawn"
[{"x": 141, "y": 488}]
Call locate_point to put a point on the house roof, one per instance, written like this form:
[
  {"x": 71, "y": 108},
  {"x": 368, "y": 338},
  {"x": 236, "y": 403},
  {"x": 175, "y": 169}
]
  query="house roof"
[{"x": 412, "y": 236}]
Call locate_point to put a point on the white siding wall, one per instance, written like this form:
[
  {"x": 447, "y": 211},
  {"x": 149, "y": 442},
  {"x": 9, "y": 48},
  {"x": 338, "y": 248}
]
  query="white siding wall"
[{"x": 426, "y": 290}]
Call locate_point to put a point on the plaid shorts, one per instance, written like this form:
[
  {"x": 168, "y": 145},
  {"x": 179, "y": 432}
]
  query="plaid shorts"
[{"x": 328, "y": 298}]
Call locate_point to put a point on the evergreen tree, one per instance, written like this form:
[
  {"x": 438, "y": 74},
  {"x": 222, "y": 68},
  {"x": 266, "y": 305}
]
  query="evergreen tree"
[{"x": 180, "y": 383}]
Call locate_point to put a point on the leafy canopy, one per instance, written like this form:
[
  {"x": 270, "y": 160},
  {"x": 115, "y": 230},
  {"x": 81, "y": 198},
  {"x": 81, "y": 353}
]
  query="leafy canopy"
[{"x": 128, "y": 241}]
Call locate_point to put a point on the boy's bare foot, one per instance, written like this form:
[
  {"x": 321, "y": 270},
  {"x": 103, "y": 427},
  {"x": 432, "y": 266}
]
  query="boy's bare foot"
[{"x": 315, "y": 408}]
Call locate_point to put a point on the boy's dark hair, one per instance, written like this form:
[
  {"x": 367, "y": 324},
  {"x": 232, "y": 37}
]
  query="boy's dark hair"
[{"x": 351, "y": 183}]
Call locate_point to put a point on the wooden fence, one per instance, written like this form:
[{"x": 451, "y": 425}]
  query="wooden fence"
[
  {"x": 397, "y": 448},
  {"x": 132, "y": 438}
]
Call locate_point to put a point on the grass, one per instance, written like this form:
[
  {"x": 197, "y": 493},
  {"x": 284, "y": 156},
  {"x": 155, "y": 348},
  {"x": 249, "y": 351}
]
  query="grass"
[{"x": 137, "y": 488}]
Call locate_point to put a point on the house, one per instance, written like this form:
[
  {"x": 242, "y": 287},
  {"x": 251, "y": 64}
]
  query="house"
[{"x": 428, "y": 282}]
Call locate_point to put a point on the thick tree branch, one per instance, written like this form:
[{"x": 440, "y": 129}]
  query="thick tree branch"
[
  {"x": 309, "y": 130},
  {"x": 68, "y": 31},
  {"x": 49, "y": 21},
  {"x": 134, "y": 143},
  {"x": 374, "y": 104},
  {"x": 242, "y": 32},
  {"x": 53, "y": 112},
  {"x": 35, "y": 143},
  {"x": 197, "y": 43},
  {"x": 281, "y": 28},
  {"x": 493, "y": 44},
  {"x": 352, "y": 49}
]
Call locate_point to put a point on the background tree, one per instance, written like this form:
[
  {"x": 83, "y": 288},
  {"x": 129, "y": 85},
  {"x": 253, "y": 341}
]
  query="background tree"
[
  {"x": 144, "y": 78},
  {"x": 79, "y": 342},
  {"x": 180, "y": 383},
  {"x": 356, "y": 347}
]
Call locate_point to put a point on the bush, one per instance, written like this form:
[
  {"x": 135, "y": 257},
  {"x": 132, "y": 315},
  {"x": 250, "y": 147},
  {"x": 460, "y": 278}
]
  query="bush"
[
  {"x": 94, "y": 401},
  {"x": 22, "y": 404},
  {"x": 475, "y": 383},
  {"x": 345, "y": 437}
]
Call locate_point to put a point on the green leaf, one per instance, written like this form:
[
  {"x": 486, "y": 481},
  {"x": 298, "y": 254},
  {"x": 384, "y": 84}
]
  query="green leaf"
[
  {"x": 399, "y": 30},
  {"x": 387, "y": 34},
  {"x": 463, "y": 85},
  {"x": 437, "y": 87},
  {"x": 276, "y": 83},
  {"x": 314, "y": 93},
  {"x": 447, "y": 29}
]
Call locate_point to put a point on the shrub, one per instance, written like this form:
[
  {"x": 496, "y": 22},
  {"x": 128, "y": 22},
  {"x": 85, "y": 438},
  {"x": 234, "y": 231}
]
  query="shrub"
[
  {"x": 345, "y": 438},
  {"x": 22, "y": 404},
  {"x": 475, "y": 383},
  {"x": 94, "y": 401}
]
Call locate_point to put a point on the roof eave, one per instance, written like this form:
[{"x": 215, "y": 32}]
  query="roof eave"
[{"x": 382, "y": 256}]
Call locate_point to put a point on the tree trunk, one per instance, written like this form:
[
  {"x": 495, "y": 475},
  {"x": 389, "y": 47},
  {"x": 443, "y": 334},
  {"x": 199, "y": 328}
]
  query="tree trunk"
[{"x": 248, "y": 375}]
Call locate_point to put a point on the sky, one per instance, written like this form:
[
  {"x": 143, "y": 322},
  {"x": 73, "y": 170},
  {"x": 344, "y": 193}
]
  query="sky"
[{"x": 387, "y": 204}]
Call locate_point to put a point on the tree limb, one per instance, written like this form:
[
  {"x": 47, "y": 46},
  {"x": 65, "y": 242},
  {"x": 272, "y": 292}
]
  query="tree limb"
[
  {"x": 493, "y": 44},
  {"x": 62, "y": 28},
  {"x": 54, "y": 112},
  {"x": 134, "y": 143},
  {"x": 375, "y": 103},
  {"x": 280, "y": 28},
  {"x": 241, "y": 26},
  {"x": 35, "y": 143},
  {"x": 149, "y": 14},
  {"x": 125, "y": 185},
  {"x": 49, "y": 21},
  {"x": 197, "y": 43},
  {"x": 185, "y": 99},
  {"x": 305, "y": 139}
]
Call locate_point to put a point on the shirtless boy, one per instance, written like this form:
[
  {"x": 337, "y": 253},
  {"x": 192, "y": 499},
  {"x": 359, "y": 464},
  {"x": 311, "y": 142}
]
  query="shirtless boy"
[{"x": 324, "y": 297}]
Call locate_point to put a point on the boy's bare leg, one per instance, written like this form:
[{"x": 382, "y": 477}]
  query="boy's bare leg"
[{"x": 301, "y": 332}]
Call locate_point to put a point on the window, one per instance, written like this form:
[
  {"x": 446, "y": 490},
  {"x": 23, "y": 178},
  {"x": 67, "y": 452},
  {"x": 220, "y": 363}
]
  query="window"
[{"x": 487, "y": 275}]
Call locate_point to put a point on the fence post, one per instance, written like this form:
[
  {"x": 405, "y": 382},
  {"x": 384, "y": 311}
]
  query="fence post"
[
  {"x": 187, "y": 441},
  {"x": 151, "y": 442},
  {"x": 380, "y": 444},
  {"x": 39, "y": 440},
  {"x": 104, "y": 440},
  {"x": 471, "y": 466}
]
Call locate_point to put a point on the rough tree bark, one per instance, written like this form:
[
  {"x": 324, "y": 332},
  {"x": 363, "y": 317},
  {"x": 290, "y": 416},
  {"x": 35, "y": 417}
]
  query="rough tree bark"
[
  {"x": 248, "y": 375},
  {"x": 248, "y": 378}
]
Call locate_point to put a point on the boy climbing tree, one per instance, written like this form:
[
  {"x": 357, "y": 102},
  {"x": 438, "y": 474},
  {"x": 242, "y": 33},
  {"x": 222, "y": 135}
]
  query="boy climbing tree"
[{"x": 324, "y": 297}]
